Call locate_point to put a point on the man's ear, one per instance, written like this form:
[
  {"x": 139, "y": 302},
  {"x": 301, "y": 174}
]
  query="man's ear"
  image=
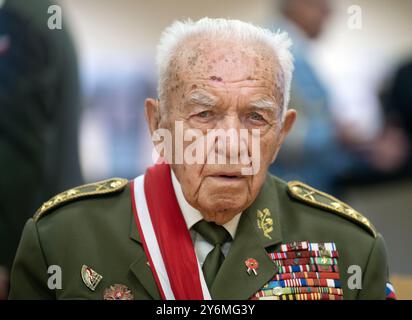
[
  {"x": 288, "y": 122},
  {"x": 152, "y": 111},
  {"x": 287, "y": 125}
]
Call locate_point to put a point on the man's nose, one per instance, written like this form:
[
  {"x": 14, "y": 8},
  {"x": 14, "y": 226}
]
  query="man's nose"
[{"x": 233, "y": 145}]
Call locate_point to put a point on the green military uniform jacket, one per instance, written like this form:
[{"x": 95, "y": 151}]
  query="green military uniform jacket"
[{"x": 93, "y": 225}]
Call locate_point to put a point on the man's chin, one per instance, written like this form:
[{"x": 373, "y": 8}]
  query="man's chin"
[
  {"x": 220, "y": 218},
  {"x": 222, "y": 211}
]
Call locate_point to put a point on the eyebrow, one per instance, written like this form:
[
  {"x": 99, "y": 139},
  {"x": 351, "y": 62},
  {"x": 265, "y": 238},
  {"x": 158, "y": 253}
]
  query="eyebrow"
[
  {"x": 263, "y": 103},
  {"x": 202, "y": 99}
]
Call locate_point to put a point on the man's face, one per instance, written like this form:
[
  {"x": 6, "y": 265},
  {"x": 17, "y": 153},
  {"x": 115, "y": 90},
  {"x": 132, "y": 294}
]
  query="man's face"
[{"x": 226, "y": 86}]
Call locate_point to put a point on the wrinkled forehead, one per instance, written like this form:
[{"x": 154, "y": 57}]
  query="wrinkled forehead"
[{"x": 225, "y": 59}]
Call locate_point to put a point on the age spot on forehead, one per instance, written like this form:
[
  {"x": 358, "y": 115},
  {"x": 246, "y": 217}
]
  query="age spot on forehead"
[
  {"x": 214, "y": 78},
  {"x": 192, "y": 60}
]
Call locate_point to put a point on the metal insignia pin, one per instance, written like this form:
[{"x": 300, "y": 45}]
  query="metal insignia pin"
[
  {"x": 90, "y": 277},
  {"x": 277, "y": 291},
  {"x": 294, "y": 246},
  {"x": 324, "y": 253},
  {"x": 251, "y": 265},
  {"x": 265, "y": 222},
  {"x": 118, "y": 292}
]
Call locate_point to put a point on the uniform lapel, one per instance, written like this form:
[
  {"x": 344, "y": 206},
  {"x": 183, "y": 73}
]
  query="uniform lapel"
[
  {"x": 259, "y": 229},
  {"x": 140, "y": 267}
]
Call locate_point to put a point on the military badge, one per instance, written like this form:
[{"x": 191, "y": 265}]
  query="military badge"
[
  {"x": 90, "y": 277},
  {"x": 118, "y": 292},
  {"x": 265, "y": 222},
  {"x": 251, "y": 265},
  {"x": 305, "y": 271}
]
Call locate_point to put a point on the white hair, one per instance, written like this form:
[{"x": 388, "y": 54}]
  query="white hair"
[{"x": 172, "y": 38}]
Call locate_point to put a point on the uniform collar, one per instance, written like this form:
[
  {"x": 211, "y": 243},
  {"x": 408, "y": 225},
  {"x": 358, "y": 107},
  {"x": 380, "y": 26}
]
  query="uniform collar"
[{"x": 192, "y": 215}]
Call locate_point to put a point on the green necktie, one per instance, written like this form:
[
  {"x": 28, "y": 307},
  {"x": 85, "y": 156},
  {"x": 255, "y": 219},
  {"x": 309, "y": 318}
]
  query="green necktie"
[{"x": 217, "y": 236}]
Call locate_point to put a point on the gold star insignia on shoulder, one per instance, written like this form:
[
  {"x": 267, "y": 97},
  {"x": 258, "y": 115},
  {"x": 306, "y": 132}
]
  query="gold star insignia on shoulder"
[
  {"x": 309, "y": 195},
  {"x": 91, "y": 189}
]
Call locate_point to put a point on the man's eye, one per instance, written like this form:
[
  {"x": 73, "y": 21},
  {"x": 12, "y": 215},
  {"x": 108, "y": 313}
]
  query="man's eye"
[
  {"x": 256, "y": 116},
  {"x": 204, "y": 114}
]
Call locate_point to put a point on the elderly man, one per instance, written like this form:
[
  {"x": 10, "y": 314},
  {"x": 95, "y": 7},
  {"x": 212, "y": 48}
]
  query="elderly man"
[{"x": 204, "y": 229}]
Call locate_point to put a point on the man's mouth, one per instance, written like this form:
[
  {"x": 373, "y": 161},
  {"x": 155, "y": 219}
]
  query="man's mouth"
[{"x": 228, "y": 176}]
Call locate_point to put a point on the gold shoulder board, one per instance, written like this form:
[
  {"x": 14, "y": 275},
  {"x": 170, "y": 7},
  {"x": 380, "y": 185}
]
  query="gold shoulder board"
[
  {"x": 91, "y": 189},
  {"x": 307, "y": 194}
]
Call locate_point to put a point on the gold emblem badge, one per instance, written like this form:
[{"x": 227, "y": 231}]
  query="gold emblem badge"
[
  {"x": 90, "y": 277},
  {"x": 265, "y": 222},
  {"x": 118, "y": 292}
]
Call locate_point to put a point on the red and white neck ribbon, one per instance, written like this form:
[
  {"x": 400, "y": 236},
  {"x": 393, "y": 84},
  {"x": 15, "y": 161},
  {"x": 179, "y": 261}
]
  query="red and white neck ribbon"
[{"x": 165, "y": 237}]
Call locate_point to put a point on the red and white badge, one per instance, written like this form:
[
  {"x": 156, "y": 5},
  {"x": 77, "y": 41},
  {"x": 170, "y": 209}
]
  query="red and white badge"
[{"x": 251, "y": 265}]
